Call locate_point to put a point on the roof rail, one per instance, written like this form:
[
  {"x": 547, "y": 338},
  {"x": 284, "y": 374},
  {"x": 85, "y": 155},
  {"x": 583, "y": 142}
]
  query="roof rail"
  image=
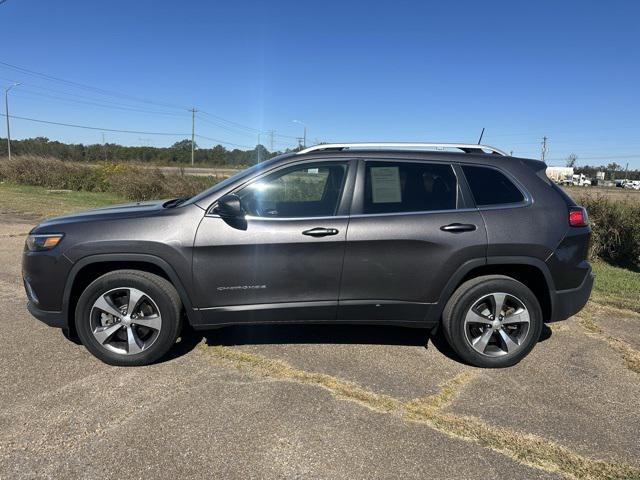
[{"x": 465, "y": 147}]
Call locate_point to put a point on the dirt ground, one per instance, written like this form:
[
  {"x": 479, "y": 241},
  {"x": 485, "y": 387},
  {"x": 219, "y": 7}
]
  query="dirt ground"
[{"x": 315, "y": 402}]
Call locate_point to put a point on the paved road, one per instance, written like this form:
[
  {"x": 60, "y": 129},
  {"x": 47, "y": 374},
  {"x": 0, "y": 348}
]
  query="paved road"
[
  {"x": 313, "y": 402},
  {"x": 199, "y": 171}
]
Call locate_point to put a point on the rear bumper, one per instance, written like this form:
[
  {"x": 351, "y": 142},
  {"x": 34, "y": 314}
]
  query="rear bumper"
[
  {"x": 53, "y": 319},
  {"x": 569, "y": 302}
]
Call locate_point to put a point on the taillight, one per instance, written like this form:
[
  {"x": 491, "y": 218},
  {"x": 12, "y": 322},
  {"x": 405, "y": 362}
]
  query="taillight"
[{"x": 578, "y": 217}]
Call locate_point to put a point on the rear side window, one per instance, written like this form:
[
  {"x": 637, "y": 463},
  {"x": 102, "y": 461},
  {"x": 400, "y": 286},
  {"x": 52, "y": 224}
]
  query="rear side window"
[
  {"x": 395, "y": 187},
  {"x": 491, "y": 187}
]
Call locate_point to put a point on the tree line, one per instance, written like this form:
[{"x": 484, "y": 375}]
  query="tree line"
[
  {"x": 179, "y": 153},
  {"x": 612, "y": 171}
]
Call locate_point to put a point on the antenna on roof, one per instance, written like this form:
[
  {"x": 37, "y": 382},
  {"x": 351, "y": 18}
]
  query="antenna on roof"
[{"x": 481, "y": 134}]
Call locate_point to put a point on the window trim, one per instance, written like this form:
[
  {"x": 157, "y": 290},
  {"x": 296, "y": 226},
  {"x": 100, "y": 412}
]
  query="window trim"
[
  {"x": 357, "y": 205},
  {"x": 342, "y": 210},
  {"x": 527, "y": 198}
]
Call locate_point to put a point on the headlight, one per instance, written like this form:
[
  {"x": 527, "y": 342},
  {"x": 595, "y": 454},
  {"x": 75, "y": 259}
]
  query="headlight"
[{"x": 36, "y": 243}]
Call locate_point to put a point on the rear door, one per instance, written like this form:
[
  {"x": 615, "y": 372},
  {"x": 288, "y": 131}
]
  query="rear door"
[
  {"x": 284, "y": 261},
  {"x": 411, "y": 228}
]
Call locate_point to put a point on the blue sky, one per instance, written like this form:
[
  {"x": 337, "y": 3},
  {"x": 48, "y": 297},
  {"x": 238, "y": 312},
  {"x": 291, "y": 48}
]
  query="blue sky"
[{"x": 352, "y": 71}]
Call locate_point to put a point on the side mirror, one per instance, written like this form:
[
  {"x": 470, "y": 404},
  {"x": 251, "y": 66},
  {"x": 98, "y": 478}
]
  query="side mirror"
[{"x": 229, "y": 207}]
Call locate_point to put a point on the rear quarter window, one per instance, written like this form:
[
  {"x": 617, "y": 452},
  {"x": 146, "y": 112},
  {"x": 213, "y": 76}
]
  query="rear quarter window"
[{"x": 491, "y": 187}]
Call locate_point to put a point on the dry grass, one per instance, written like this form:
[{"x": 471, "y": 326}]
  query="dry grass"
[
  {"x": 630, "y": 355},
  {"x": 522, "y": 447},
  {"x": 126, "y": 180},
  {"x": 615, "y": 194}
]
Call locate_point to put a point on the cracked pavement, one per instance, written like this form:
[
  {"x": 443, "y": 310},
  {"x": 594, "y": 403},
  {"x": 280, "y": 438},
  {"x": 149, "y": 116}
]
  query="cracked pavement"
[{"x": 315, "y": 401}]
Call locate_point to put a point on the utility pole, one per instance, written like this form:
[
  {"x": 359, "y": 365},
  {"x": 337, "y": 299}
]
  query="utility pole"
[
  {"x": 304, "y": 137},
  {"x": 193, "y": 133},
  {"x": 6, "y": 111},
  {"x": 271, "y": 132},
  {"x": 544, "y": 148},
  {"x": 258, "y": 147},
  {"x": 104, "y": 148}
]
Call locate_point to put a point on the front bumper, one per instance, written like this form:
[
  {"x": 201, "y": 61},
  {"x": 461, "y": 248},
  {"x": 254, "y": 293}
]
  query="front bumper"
[
  {"x": 53, "y": 319},
  {"x": 567, "y": 303}
]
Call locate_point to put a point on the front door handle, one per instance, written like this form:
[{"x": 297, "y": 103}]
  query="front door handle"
[
  {"x": 320, "y": 232},
  {"x": 458, "y": 227}
]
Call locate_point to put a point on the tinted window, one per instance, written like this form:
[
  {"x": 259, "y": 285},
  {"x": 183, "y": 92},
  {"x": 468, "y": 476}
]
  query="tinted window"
[
  {"x": 309, "y": 190},
  {"x": 490, "y": 187},
  {"x": 409, "y": 187}
]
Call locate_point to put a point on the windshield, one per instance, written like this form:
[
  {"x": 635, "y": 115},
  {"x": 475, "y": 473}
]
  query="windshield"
[{"x": 228, "y": 181}]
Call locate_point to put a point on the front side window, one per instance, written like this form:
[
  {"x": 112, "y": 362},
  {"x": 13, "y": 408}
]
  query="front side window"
[
  {"x": 395, "y": 187},
  {"x": 491, "y": 187},
  {"x": 309, "y": 190}
]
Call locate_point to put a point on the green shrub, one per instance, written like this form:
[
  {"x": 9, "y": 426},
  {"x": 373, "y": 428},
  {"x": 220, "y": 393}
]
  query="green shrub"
[
  {"x": 52, "y": 173},
  {"x": 136, "y": 183},
  {"x": 130, "y": 181},
  {"x": 616, "y": 229}
]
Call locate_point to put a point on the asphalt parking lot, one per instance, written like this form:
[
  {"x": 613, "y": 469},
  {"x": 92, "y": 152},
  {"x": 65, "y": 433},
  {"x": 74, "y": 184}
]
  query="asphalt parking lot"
[{"x": 315, "y": 402}]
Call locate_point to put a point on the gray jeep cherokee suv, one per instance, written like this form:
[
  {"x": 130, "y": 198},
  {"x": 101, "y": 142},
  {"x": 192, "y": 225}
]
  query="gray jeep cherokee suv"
[{"x": 478, "y": 243}]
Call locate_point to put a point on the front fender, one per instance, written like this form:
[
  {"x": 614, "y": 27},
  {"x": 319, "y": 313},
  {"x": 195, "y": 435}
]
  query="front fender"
[{"x": 125, "y": 259}]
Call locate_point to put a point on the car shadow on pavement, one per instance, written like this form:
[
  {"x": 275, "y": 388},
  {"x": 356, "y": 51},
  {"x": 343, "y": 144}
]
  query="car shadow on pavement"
[{"x": 317, "y": 334}]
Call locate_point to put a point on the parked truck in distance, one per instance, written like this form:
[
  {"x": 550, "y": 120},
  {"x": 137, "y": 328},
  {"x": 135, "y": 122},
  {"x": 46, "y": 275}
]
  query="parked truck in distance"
[
  {"x": 580, "y": 180},
  {"x": 566, "y": 176}
]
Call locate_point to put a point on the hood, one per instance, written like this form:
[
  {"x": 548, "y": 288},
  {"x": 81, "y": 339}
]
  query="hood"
[{"x": 113, "y": 212}]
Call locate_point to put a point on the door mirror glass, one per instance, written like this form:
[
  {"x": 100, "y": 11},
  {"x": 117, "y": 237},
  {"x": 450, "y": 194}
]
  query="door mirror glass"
[{"x": 229, "y": 206}]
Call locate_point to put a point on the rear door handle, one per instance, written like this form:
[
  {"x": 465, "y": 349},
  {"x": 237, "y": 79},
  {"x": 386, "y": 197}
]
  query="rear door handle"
[
  {"x": 320, "y": 232},
  {"x": 458, "y": 227}
]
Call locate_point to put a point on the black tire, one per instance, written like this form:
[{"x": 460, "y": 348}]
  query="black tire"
[
  {"x": 159, "y": 290},
  {"x": 466, "y": 296}
]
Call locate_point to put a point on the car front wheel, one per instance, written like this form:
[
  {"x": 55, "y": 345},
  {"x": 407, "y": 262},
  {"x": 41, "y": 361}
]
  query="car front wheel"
[
  {"x": 492, "y": 321},
  {"x": 128, "y": 317}
]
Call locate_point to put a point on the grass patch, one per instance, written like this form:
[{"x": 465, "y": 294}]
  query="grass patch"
[
  {"x": 617, "y": 287},
  {"x": 40, "y": 202},
  {"x": 586, "y": 318},
  {"x": 522, "y": 447}
]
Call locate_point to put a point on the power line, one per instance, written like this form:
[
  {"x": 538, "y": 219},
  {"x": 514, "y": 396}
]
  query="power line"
[
  {"x": 221, "y": 142},
  {"x": 226, "y": 127},
  {"x": 239, "y": 125},
  {"x": 96, "y": 104},
  {"x": 102, "y": 91},
  {"x": 603, "y": 157},
  {"x": 124, "y": 131},
  {"x": 92, "y": 99},
  {"x": 88, "y": 127},
  {"x": 229, "y": 124}
]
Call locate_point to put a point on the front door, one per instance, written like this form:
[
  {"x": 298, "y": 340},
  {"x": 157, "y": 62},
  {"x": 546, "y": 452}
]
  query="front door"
[{"x": 283, "y": 263}]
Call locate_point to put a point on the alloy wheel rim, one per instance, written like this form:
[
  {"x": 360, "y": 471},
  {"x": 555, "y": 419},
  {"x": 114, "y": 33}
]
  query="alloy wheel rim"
[
  {"x": 125, "y": 321},
  {"x": 497, "y": 324}
]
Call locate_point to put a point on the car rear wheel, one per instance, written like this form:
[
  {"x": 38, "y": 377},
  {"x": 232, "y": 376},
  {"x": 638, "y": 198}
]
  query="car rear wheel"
[
  {"x": 128, "y": 317},
  {"x": 492, "y": 321}
]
